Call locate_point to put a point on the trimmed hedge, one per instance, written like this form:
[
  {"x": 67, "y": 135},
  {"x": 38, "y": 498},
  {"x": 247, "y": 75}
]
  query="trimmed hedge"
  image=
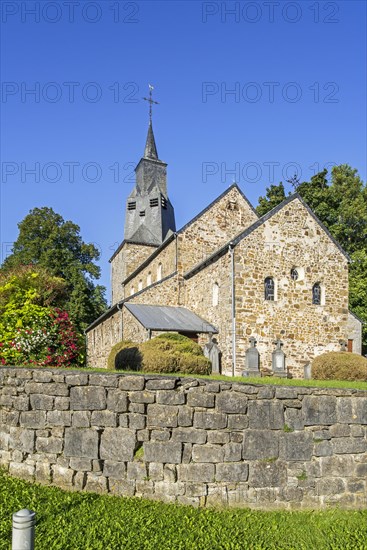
[
  {"x": 340, "y": 365},
  {"x": 167, "y": 353}
]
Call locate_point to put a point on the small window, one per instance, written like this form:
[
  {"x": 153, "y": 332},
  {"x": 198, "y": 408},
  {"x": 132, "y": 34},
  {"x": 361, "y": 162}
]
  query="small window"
[
  {"x": 159, "y": 272},
  {"x": 142, "y": 213},
  {"x": 163, "y": 202},
  {"x": 316, "y": 294},
  {"x": 215, "y": 294},
  {"x": 149, "y": 279},
  {"x": 294, "y": 274},
  {"x": 140, "y": 285},
  {"x": 132, "y": 291},
  {"x": 269, "y": 289},
  {"x": 154, "y": 202},
  {"x": 131, "y": 205}
]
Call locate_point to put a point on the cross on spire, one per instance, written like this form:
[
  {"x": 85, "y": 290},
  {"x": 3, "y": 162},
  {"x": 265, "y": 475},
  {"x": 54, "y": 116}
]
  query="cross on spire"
[{"x": 150, "y": 101}]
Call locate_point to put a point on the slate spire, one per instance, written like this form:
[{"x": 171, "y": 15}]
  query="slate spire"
[{"x": 150, "y": 151}]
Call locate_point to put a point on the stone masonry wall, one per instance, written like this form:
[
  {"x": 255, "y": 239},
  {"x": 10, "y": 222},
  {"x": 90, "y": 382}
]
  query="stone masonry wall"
[{"x": 197, "y": 442}]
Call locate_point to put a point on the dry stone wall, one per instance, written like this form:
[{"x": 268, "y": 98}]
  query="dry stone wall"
[{"x": 197, "y": 442}]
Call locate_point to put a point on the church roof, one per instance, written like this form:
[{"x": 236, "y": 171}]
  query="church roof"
[
  {"x": 169, "y": 318},
  {"x": 150, "y": 151},
  {"x": 233, "y": 242}
]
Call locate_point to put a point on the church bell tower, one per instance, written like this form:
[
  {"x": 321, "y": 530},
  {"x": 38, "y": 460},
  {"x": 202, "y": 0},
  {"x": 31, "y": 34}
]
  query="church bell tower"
[{"x": 149, "y": 217}]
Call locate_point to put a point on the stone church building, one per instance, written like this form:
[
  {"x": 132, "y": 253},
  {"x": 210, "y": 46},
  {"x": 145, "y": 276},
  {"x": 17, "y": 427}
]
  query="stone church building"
[{"x": 226, "y": 272}]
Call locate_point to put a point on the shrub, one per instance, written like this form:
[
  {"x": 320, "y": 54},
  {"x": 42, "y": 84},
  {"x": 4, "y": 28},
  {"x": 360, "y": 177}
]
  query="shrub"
[
  {"x": 167, "y": 353},
  {"x": 124, "y": 355},
  {"x": 339, "y": 366}
]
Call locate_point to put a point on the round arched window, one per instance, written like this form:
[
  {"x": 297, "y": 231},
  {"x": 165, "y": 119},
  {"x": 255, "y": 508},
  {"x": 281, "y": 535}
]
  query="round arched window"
[{"x": 294, "y": 274}]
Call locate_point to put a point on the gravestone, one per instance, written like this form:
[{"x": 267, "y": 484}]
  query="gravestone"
[
  {"x": 278, "y": 360},
  {"x": 252, "y": 359},
  {"x": 213, "y": 353}
]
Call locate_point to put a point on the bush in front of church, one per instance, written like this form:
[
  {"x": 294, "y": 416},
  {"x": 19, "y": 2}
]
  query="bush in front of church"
[
  {"x": 124, "y": 355},
  {"x": 167, "y": 353},
  {"x": 341, "y": 365}
]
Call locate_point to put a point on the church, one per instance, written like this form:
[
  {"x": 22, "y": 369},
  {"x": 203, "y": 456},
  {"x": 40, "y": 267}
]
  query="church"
[{"x": 279, "y": 281}]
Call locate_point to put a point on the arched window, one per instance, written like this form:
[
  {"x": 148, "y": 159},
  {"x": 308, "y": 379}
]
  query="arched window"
[
  {"x": 215, "y": 294},
  {"x": 132, "y": 291},
  {"x": 269, "y": 289},
  {"x": 149, "y": 279},
  {"x": 316, "y": 294},
  {"x": 140, "y": 285},
  {"x": 159, "y": 272}
]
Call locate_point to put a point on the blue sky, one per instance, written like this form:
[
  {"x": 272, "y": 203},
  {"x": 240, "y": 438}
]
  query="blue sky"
[{"x": 247, "y": 91}]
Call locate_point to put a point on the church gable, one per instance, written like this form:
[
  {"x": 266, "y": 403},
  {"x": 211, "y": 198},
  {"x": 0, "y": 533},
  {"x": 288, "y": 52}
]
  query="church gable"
[{"x": 224, "y": 218}]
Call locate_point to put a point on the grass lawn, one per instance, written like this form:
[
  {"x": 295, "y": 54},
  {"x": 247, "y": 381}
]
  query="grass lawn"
[{"x": 85, "y": 521}]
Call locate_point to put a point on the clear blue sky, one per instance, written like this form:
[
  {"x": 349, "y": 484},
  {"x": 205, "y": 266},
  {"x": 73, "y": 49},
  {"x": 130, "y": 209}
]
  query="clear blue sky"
[{"x": 297, "y": 72}]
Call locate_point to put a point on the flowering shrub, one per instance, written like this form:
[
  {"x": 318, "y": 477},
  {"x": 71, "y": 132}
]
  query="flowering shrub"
[{"x": 31, "y": 333}]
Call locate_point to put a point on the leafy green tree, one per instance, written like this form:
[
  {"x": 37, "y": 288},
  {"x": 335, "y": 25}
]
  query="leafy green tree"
[
  {"x": 45, "y": 239},
  {"x": 341, "y": 205}
]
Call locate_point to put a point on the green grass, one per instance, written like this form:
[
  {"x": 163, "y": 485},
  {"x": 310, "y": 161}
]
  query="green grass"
[
  {"x": 85, "y": 521},
  {"x": 272, "y": 380}
]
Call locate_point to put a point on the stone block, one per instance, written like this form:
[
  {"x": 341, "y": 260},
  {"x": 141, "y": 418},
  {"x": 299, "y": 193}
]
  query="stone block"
[
  {"x": 168, "y": 451},
  {"x": 43, "y": 472},
  {"x": 137, "y": 408},
  {"x": 81, "y": 464},
  {"x": 52, "y": 388},
  {"x": 337, "y": 466},
  {"x": 231, "y": 472},
  {"x": 21, "y": 403},
  {"x": 42, "y": 402},
  {"x": 189, "y": 435},
  {"x": 265, "y": 415},
  {"x": 296, "y": 446},
  {"x": 62, "y": 403},
  {"x": 349, "y": 445},
  {"x": 76, "y": 379},
  {"x": 185, "y": 416},
  {"x": 49, "y": 445},
  {"x": 266, "y": 392},
  {"x": 137, "y": 421},
  {"x": 21, "y": 439},
  {"x": 33, "y": 419},
  {"x": 22, "y": 470},
  {"x": 79, "y": 480},
  {"x": 121, "y": 487},
  {"x": 216, "y": 437},
  {"x": 340, "y": 430},
  {"x": 167, "y": 397},
  {"x": 104, "y": 418},
  {"x": 144, "y": 488},
  {"x": 237, "y": 421},
  {"x": 4, "y": 440},
  {"x": 161, "y": 384},
  {"x": 170, "y": 473},
  {"x": 330, "y": 486},
  {"x": 203, "y": 473},
  {"x": 117, "y": 444},
  {"x": 294, "y": 419},
  {"x": 81, "y": 442},
  {"x": 116, "y": 470},
  {"x": 260, "y": 444},
  {"x": 323, "y": 448},
  {"x": 208, "y": 453},
  {"x": 162, "y": 416},
  {"x": 196, "y": 489},
  {"x": 105, "y": 380},
  {"x": 132, "y": 383},
  {"x": 165, "y": 488},
  {"x": 232, "y": 452},
  {"x": 81, "y": 419},
  {"x": 285, "y": 392},
  {"x": 160, "y": 435},
  {"x": 199, "y": 398},
  {"x": 232, "y": 402},
  {"x": 87, "y": 398},
  {"x": 143, "y": 435},
  {"x": 319, "y": 410},
  {"x": 124, "y": 420},
  {"x": 61, "y": 476},
  {"x": 58, "y": 418},
  {"x": 142, "y": 396},
  {"x": 210, "y": 420},
  {"x": 117, "y": 401},
  {"x": 136, "y": 470},
  {"x": 96, "y": 483},
  {"x": 268, "y": 474}
]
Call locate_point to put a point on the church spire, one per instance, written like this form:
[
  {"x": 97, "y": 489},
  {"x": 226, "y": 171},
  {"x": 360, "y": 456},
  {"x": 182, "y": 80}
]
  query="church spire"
[{"x": 150, "y": 151}]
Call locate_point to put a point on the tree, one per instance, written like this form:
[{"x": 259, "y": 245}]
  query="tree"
[
  {"x": 342, "y": 207},
  {"x": 46, "y": 240}
]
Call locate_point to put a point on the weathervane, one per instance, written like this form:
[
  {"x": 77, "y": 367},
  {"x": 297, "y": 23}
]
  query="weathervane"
[{"x": 151, "y": 101}]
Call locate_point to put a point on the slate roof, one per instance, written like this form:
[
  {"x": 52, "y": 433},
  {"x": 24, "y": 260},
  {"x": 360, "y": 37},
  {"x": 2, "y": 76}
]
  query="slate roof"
[{"x": 169, "y": 318}]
